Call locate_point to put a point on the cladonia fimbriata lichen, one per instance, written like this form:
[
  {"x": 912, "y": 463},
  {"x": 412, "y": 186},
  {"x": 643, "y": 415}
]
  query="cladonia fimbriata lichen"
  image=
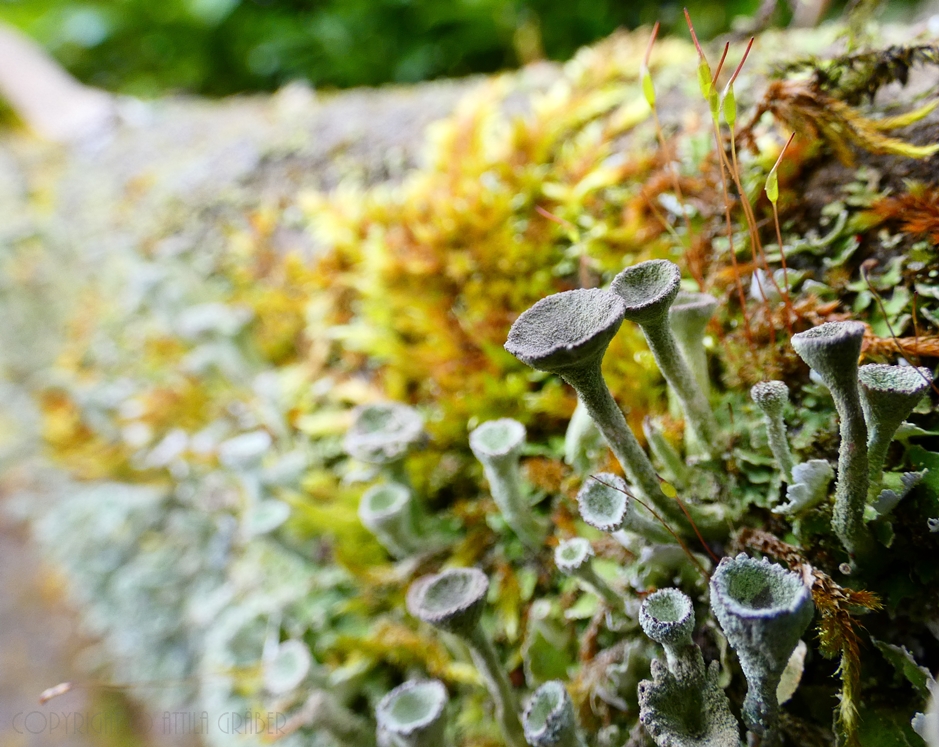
[
  {"x": 572, "y": 558},
  {"x": 387, "y": 511},
  {"x": 888, "y": 396},
  {"x": 667, "y": 617},
  {"x": 682, "y": 705},
  {"x": 688, "y": 317},
  {"x": 567, "y": 334},
  {"x": 453, "y": 601},
  {"x": 605, "y": 504},
  {"x": 549, "y": 719},
  {"x": 763, "y": 610},
  {"x": 771, "y": 397},
  {"x": 413, "y": 715},
  {"x": 648, "y": 290},
  {"x": 832, "y": 351},
  {"x": 497, "y": 444},
  {"x": 382, "y": 434}
]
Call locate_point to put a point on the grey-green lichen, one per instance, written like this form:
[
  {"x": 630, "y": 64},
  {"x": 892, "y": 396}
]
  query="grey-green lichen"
[
  {"x": 382, "y": 433},
  {"x": 549, "y": 719},
  {"x": 832, "y": 351},
  {"x": 888, "y": 396},
  {"x": 387, "y": 511},
  {"x": 605, "y": 503},
  {"x": 683, "y": 705},
  {"x": 412, "y": 715},
  {"x": 771, "y": 397},
  {"x": 649, "y": 290},
  {"x": 567, "y": 334},
  {"x": 688, "y": 317},
  {"x": 763, "y": 610},
  {"x": 497, "y": 444},
  {"x": 453, "y": 601}
]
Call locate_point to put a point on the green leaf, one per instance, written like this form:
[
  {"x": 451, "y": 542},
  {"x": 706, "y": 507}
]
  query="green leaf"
[
  {"x": 903, "y": 661},
  {"x": 887, "y": 728}
]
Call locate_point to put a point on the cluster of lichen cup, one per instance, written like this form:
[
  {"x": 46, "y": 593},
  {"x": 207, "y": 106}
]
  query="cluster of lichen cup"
[{"x": 762, "y": 608}]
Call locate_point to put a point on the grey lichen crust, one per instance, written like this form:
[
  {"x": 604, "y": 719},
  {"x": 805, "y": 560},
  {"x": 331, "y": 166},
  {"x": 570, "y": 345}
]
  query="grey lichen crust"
[
  {"x": 549, "y": 719},
  {"x": 382, "y": 433},
  {"x": 832, "y": 351},
  {"x": 888, "y": 396},
  {"x": 679, "y": 713},
  {"x": 452, "y": 600},
  {"x": 771, "y": 397},
  {"x": 412, "y": 715},
  {"x": 763, "y": 610},
  {"x": 497, "y": 444},
  {"x": 648, "y": 290}
]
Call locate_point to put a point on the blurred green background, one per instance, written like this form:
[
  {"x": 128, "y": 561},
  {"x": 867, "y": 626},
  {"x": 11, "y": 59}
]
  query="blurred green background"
[{"x": 216, "y": 47}]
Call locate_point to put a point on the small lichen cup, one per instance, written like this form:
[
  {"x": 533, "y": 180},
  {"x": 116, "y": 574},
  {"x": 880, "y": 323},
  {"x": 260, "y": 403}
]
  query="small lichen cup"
[
  {"x": 382, "y": 433},
  {"x": 667, "y": 617},
  {"x": 832, "y": 351},
  {"x": 605, "y": 504},
  {"x": 497, "y": 444},
  {"x": 413, "y": 715},
  {"x": 771, "y": 397},
  {"x": 549, "y": 719},
  {"x": 387, "y": 511},
  {"x": 888, "y": 396},
  {"x": 572, "y": 557},
  {"x": 763, "y": 610},
  {"x": 453, "y": 601},
  {"x": 648, "y": 290}
]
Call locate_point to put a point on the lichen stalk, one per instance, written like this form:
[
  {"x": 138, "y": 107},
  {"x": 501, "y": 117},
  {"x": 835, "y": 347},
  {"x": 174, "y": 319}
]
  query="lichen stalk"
[
  {"x": 497, "y": 445},
  {"x": 832, "y": 350},
  {"x": 491, "y": 670},
  {"x": 649, "y": 289},
  {"x": 593, "y": 392},
  {"x": 771, "y": 397}
]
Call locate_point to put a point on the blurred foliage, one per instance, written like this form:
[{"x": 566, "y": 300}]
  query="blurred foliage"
[
  {"x": 225, "y": 46},
  {"x": 409, "y": 295}
]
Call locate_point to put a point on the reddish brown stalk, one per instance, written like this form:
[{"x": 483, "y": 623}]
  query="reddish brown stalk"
[
  {"x": 746, "y": 53},
  {"x": 555, "y": 219},
  {"x": 684, "y": 510},
  {"x": 648, "y": 55},
  {"x": 720, "y": 65},
  {"x": 662, "y": 521},
  {"x": 672, "y": 167},
  {"x": 748, "y": 332},
  {"x": 782, "y": 250},
  {"x": 694, "y": 36}
]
